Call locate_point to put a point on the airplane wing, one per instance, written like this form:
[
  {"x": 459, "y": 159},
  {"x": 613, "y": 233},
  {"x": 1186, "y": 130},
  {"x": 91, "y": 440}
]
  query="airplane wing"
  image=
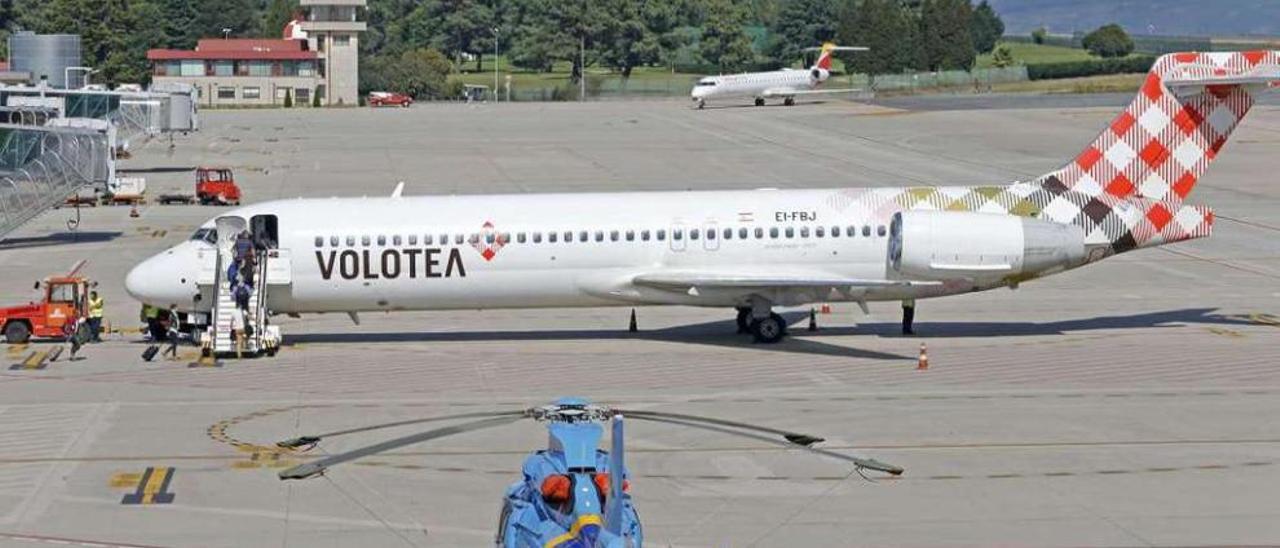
[
  {"x": 792, "y": 92},
  {"x": 691, "y": 280}
]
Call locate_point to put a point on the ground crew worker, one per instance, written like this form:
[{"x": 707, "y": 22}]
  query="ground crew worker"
[
  {"x": 96, "y": 305},
  {"x": 150, "y": 317},
  {"x": 908, "y": 316},
  {"x": 173, "y": 334}
]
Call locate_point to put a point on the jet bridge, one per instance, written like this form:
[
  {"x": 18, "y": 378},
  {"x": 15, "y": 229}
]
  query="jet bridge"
[
  {"x": 135, "y": 114},
  {"x": 41, "y": 166}
]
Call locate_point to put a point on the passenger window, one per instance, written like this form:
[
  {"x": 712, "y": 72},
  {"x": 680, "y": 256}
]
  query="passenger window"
[
  {"x": 458, "y": 239},
  {"x": 880, "y": 231},
  {"x": 851, "y": 231},
  {"x": 427, "y": 239},
  {"x": 644, "y": 235},
  {"x": 820, "y": 232},
  {"x": 791, "y": 232},
  {"x": 333, "y": 241},
  {"x": 551, "y": 237},
  {"x": 742, "y": 233},
  {"x": 866, "y": 230},
  {"x": 568, "y": 236},
  {"x": 396, "y": 240},
  {"x": 677, "y": 234},
  {"x": 413, "y": 239},
  {"x": 711, "y": 233},
  {"x": 444, "y": 239},
  {"x": 662, "y": 235},
  {"x": 835, "y": 232},
  {"x": 804, "y": 232},
  {"x": 599, "y": 235},
  {"x": 759, "y": 233},
  {"x": 583, "y": 236},
  {"x": 631, "y": 235},
  {"x": 351, "y": 241},
  {"x": 728, "y": 234},
  {"x": 319, "y": 241},
  {"x": 773, "y": 232},
  {"x": 473, "y": 238},
  {"x": 693, "y": 234},
  {"x": 382, "y": 240},
  {"x": 613, "y": 235},
  {"x": 537, "y": 237},
  {"x": 519, "y": 237},
  {"x": 364, "y": 240}
]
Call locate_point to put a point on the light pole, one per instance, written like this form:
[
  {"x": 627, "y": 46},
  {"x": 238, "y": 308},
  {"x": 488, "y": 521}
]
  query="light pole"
[
  {"x": 495, "y": 64},
  {"x": 226, "y": 33},
  {"x": 66, "y": 76}
]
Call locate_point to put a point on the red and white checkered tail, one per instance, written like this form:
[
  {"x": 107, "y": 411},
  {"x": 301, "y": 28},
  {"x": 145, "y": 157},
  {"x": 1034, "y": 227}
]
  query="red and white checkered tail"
[{"x": 1160, "y": 146}]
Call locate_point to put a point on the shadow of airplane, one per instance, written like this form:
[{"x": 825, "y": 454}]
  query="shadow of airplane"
[
  {"x": 721, "y": 333},
  {"x": 748, "y": 105},
  {"x": 718, "y": 333},
  {"x": 60, "y": 238}
]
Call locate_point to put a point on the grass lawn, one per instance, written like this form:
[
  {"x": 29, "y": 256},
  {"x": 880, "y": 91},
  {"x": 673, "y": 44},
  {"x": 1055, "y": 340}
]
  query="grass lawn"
[
  {"x": 1109, "y": 83},
  {"x": 1024, "y": 53}
]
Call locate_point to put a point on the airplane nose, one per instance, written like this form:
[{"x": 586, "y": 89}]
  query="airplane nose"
[{"x": 164, "y": 279}]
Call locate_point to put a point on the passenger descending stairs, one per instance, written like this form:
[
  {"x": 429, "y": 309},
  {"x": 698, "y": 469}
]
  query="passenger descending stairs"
[{"x": 224, "y": 307}]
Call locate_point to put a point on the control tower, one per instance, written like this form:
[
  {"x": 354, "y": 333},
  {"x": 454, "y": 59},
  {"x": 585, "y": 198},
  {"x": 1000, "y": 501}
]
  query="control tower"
[{"x": 333, "y": 30}]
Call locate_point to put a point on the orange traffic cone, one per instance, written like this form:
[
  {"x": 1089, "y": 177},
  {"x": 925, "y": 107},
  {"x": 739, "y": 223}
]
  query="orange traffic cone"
[
  {"x": 133, "y": 211},
  {"x": 923, "y": 362},
  {"x": 826, "y": 308}
]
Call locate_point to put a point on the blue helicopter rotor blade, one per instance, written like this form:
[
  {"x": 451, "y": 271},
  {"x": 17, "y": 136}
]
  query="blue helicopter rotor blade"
[
  {"x": 312, "y": 440},
  {"x": 617, "y": 466},
  {"x": 318, "y": 467},
  {"x": 793, "y": 437},
  {"x": 869, "y": 464}
]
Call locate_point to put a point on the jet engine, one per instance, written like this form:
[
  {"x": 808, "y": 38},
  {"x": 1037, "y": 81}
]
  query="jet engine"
[
  {"x": 943, "y": 245},
  {"x": 818, "y": 74}
]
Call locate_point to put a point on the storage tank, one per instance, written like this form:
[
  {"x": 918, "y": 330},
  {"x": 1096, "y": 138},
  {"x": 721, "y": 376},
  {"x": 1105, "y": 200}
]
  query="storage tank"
[{"x": 47, "y": 56}]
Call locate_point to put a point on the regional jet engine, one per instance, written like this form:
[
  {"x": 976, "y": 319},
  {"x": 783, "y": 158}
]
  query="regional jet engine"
[
  {"x": 818, "y": 74},
  {"x": 945, "y": 245}
]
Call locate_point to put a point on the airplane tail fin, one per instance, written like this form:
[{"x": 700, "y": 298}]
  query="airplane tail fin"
[
  {"x": 1127, "y": 187},
  {"x": 824, "y": 56}
]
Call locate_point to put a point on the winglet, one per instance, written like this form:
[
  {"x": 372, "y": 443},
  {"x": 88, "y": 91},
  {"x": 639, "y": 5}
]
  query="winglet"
[{"x": 399, "y": 190}]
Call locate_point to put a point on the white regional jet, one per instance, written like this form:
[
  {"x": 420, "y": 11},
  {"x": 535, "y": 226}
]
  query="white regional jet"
[
  {"x": 749, "y": 250},
  {"x": 786, "y": 83}
]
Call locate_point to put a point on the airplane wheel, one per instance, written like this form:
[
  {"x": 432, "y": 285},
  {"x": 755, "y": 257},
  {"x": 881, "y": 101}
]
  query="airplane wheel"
[
  {"x": 759, "y": 101},
  {"x": 744, "y": 320},
  {"x": 701, "y": 104},
  {"x": 789, "y": 101},
  {"x": 770, "y": 329},
  {"x": 17, "y": 333}
]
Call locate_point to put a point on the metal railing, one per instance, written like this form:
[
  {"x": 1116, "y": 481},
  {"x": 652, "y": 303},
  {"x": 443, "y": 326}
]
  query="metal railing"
[{"x": 41, "y": 166}]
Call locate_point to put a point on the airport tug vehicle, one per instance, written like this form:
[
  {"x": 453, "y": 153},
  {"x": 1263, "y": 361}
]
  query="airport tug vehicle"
[
  {"x": 214, "y": 186},
  {"x": 571, "y": 494},
  {"x": 64, "y": 303}
]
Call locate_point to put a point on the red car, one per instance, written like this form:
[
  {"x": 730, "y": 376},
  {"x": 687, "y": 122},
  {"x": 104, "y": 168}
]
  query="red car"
[{"x": 389, "y": 99}]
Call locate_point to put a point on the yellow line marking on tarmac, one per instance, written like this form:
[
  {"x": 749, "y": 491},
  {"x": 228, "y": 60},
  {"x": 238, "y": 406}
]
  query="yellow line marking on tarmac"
[
  {"x": 125, "y": 480},
  {"x": 16, "y": 349},
  {"x": 152, "y": 487},
  {"x": 1264, "y": 319},
  {"x": 1225, "y": 332}
]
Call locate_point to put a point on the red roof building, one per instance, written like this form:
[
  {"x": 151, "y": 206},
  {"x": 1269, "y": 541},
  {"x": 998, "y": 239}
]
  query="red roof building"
[{"x": 241, "y": 71}]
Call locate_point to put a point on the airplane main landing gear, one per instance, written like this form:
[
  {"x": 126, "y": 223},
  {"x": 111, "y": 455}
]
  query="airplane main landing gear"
[
  {"x": 744, "y": 320},
  {"x": 789, "y": 101},
  {"x": 701, "y": 104},
  {"x": 769, "y": 329},
  {"x": 759, "y": 101}
]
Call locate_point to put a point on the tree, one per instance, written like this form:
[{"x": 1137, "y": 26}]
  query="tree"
[
  {"x": 277, "y": 14},
  {"x": 288, "y": 98},
  {"x": 944, "y": 29},
  {"x": 1109, "y": 41},
  {"x": 1039, "y": 35},
  {"x": 419, "y": 73},
  {"x": 801, "y": 24},
  {"x": 888, "y": 29},
  {"x": 1002, "y": 56},
  {"x": 724, "y": 43},
  {"x": 986, "y": 27}
]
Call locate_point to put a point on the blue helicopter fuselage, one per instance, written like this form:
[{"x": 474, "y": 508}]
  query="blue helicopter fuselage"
[{"x": 531, "y": 519}]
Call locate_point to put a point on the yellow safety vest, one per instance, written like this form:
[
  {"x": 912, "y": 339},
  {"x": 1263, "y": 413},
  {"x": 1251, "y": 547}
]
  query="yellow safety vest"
[{"x": 95, "y": 307}]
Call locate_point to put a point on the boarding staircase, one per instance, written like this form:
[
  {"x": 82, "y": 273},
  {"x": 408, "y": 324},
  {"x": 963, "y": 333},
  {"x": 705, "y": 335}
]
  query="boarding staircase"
[{"x": 262, "y": 337}]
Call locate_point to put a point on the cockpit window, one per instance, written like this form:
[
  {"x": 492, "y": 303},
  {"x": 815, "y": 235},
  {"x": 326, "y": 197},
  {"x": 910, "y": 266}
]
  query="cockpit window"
[
  {"x": 706, "y": 82},
  {"x": 207, "y": 235}
]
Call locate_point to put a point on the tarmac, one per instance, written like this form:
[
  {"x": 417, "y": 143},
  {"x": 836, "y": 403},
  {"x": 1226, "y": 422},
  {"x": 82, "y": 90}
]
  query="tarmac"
[{"x": 1132, "y": 402}]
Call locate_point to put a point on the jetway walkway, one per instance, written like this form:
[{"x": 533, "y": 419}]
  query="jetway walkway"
[
  {"x": 137, "y": 115},
  {"x": 41, "y": 166}
]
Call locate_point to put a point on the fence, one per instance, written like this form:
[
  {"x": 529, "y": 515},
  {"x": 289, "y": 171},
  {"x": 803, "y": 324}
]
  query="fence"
[{"x": 40, "y": 167}]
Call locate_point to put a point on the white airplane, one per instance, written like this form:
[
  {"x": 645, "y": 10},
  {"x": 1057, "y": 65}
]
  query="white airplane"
[
  {"x": 752, "y": 250},
  {"x": 786, "y": 83}
]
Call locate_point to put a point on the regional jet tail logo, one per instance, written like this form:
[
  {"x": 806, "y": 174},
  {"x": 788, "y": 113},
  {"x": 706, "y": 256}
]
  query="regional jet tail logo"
[{"x": 489, "y": 242}]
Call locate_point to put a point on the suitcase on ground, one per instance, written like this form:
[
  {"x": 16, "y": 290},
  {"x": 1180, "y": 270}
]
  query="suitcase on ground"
[{"x": 150, "y": 352}]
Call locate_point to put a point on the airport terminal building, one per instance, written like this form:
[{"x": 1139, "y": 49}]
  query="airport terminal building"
[{"x": 318, "y": 57}]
